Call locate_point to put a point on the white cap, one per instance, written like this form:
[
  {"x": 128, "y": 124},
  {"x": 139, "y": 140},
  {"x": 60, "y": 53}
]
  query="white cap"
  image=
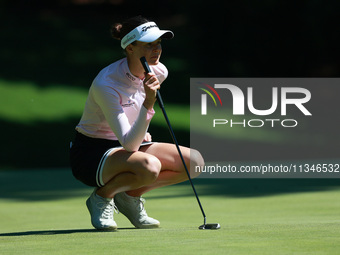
[{"x": 147, "y": 32}]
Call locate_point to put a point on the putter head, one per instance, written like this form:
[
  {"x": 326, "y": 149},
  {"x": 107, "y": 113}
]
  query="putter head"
[{"x": 210, "y": 226}]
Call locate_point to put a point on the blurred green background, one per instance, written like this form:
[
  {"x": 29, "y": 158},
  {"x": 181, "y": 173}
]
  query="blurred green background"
[{"x": 51, "y": 51}]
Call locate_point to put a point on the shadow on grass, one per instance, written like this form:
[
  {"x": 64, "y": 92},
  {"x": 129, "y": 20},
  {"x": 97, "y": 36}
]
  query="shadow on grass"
[
  {"x": 50, "y": 232},
  {"x": 45, "y": 144},
  {"x": 262, "y": 187},
  {"x": 53, "y": 184},
  {"x": 60, "y": 232}
]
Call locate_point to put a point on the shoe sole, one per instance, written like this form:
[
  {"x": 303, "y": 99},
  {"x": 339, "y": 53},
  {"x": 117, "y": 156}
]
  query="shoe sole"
[
  {"x": 156, "y": 225},
  {"x": 147, "y": 226}
]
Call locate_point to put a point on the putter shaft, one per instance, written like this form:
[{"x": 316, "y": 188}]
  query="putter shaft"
[{"x": 161, "y": 105}]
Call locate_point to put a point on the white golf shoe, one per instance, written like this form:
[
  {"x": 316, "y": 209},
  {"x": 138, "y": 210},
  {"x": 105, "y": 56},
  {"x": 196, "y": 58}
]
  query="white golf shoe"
[
  {"x": 133, "y": 209},
  {"x": 101, "y": 211}
]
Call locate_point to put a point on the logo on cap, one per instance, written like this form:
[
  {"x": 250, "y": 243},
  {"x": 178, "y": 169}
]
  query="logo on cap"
[
  {"x": 129, "y": 38},
  {"x": 146, "y": 28}
]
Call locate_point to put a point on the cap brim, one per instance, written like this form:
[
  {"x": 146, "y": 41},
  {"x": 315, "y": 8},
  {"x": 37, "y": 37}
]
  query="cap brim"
[{"x": 150, "y": 37}]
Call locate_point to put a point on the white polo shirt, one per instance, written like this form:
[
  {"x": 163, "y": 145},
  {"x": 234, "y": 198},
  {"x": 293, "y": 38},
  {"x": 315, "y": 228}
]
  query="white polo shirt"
[{"x": 114, "y": 107}]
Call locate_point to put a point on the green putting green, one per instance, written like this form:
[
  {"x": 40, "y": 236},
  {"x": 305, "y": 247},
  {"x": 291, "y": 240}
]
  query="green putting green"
[{"x": 43, "y": 212}]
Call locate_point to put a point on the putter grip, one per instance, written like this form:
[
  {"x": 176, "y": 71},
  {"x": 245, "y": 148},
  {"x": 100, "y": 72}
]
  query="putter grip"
[
  {"x": 148, "y": 70},
  {"x": 145, "y": 65}
]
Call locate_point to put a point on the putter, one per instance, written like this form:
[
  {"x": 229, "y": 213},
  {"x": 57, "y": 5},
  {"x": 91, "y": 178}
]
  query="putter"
[{"x": 161, "y": 105}]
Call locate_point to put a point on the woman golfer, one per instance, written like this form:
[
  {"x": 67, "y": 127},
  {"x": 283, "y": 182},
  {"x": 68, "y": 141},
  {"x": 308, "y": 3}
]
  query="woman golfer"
[{"x": 112, "y": 150}]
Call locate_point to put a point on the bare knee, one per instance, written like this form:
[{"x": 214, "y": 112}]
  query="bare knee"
[
  {"x": 151, "y": 167},
  {"x": 196, "y": 160}
]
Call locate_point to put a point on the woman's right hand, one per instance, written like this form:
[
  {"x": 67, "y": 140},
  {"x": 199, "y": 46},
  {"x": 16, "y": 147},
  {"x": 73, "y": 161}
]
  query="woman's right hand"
[{"x": 151, "y": 85}]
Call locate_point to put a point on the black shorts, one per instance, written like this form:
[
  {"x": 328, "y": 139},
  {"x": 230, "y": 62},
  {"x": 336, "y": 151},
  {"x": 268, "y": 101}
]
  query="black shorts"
[{"x": 87, "y": 158}]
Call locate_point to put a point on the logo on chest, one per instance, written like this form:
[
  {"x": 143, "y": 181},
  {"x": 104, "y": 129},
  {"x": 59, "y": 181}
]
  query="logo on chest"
[
  {"x": 129, "y": 103},
  {"x": 130, "y": 77}
]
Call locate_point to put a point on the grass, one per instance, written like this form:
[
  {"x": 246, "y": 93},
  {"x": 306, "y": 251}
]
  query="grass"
[
  {"x": 26, "y": 103},
  {"x": 47, "y": 215}
]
